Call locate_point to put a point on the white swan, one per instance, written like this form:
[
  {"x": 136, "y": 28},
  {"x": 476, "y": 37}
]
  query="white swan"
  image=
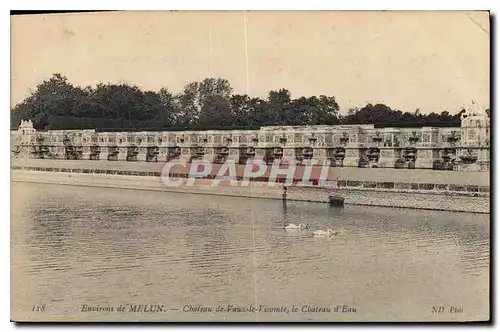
[
  {"x": 325, "y": 233},
  {"x": 295, "y": 227},
  {"x": 329, "y": 232}
]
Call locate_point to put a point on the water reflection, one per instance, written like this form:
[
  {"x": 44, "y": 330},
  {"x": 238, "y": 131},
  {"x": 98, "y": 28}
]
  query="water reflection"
[{"x": 85, "y": 245}]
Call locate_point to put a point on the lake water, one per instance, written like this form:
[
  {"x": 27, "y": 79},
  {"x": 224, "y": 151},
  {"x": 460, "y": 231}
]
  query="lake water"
[{"x": 85, "y": 253}]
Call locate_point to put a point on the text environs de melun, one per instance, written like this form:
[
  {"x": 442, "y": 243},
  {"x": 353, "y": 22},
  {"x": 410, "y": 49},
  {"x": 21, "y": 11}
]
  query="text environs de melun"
[
  {"x": 128, "y": 307},
  {"x": 266, "y": 309}
]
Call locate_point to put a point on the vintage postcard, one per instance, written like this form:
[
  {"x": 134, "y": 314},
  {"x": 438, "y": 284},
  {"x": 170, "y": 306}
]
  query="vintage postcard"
[{"x": 250, "y": 166}]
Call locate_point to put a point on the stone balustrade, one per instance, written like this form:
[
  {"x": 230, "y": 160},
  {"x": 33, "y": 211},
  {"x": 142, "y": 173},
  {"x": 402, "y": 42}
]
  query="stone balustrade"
[{"x": 465, "y": 148}]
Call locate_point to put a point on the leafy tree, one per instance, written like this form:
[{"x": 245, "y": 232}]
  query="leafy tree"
[
  {"x": 120, "y": 101},
  {"x": 195, "y": 96},
  {"x": 325, "y": 111},
  {"x": 278, "y": 102},
  {"x": 242, "y": 111},
  {"x": 208, "y": 104},
  {"x": 215, "y": 113},
  {"x": 170, "y": 112}
]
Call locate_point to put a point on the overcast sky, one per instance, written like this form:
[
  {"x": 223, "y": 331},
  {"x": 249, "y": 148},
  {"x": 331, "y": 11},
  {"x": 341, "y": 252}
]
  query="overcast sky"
[{"x": 407, "y": 60}]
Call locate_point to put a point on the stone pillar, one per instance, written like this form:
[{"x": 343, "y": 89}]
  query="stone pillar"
[
  {"x": 259, "y": 154},
  {"x": 427, "y": 141},
  {"x": 289, "y": 156},
  {"x": 424, "y": 158},
  {"x": 86, "y": 152},
  {"x": 142, "y": 155},
  {"x": 162, "y": 156},
  {"x": 387, "y": 158},
  {"x": 352, "y": 149},
  {"x": 352, "y": 156},
  {"x": 319, "y": 156},
  {"x": 103, "y": 153},
  {"x": 234, "y": 154},
  {"x": 185, "y": 154},
  {"x": 209, "y": 155},
  {"x": 122, "y": 154}
]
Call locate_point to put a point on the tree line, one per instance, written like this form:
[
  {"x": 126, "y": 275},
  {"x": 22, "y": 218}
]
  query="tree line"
[{"x": 209, "y": 104}]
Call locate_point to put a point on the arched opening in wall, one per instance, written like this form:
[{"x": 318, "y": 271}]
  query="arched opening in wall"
[
  {"x": 437, "y": 165},
  {"x": 363, "y": 162},
  {"x": 307, "y": 153},
  {"x": 468, "y": 157},
  {"x": 268, "y": 156},
  {"x": 113, "y": 152},
  {"x": 221, "y": 155},
  {"x": 246, "y": 154},
  {"x": 197, "y": 153},
  {"x": 277, "y": 154},
  {"x": 338, "y": 156},
  {"x": 173, "y": 153},
  {"x": 152, "y": 154},
  {"x": 410, "y": 156},
  {"x": 373, "y": 155},
  {"x": 95, "y": 151},
  {"x": 449, "y": 166},
  {"x": 400, "y": 163},
  {"x": 132, "y": 152},
  {"x": 448, "y": 157}
]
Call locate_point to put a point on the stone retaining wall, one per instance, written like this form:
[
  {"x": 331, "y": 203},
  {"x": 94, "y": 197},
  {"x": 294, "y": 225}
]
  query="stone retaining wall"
[
  {"x": 262, "y": 190},
  {"x": 399, "y": 187},
  {"x": 347, "y": 174},
  {"x": 428, "y": 201}
]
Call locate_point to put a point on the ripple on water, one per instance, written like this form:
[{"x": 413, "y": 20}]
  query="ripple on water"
[{"x": 76, "y": 245}]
